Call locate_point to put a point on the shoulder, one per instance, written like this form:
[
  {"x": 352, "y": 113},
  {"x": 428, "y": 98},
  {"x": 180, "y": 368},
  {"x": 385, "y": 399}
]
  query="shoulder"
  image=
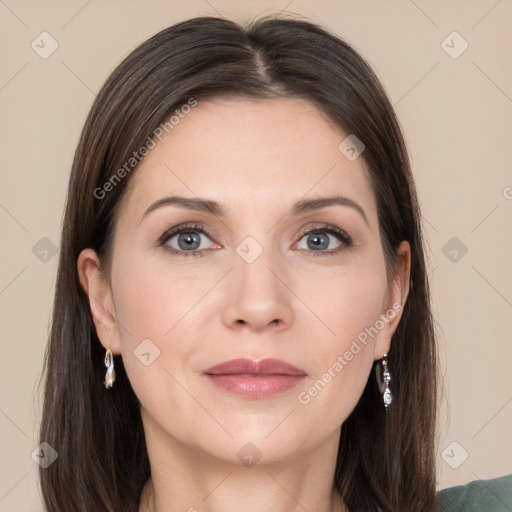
[{"x": 493, "y": 495}]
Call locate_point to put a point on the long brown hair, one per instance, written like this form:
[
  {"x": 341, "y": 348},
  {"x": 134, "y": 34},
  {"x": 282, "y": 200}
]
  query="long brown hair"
[{"x": 385, "y": 462}]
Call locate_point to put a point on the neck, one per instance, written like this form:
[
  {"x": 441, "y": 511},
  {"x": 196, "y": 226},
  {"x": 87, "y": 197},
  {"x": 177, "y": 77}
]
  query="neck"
[
  {"x": 277, "y": 499},
  {"x": 186, "y": 479}
]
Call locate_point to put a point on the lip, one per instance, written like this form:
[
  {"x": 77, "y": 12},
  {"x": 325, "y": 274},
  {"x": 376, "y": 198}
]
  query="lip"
[{"x": 255, "y": 379}]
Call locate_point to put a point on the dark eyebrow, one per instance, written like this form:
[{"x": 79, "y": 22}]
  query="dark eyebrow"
[
  {"x": 307, "y": 205},
  {"x": 191, "y": 203},
  {"x": 209, "y": 206}
]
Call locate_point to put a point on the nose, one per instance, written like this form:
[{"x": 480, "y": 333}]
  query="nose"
[{"x": 259, "y": 298}]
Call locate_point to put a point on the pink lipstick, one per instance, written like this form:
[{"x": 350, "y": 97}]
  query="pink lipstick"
[{"x": 255, "y": 379}]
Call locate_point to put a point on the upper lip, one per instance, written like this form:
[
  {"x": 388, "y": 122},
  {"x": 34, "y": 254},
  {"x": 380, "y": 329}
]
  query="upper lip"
[{"x": 245, "y": 366}]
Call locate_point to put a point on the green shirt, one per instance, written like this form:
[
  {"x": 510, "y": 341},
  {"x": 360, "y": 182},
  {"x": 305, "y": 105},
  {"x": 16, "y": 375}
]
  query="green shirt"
[{"x": 494, "y": 495}]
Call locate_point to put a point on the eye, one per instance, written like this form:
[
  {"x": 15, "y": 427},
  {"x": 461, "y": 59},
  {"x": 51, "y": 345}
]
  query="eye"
[
  {"x": 321, "y": 238},
  {"x": 187, "y": 240},
  {"x": 192, "y": 240}
]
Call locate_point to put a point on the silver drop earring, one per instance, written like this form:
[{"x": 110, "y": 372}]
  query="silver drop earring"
[
  {"x": 110, "y": 375},
  {"x": 383, "y": 382}
]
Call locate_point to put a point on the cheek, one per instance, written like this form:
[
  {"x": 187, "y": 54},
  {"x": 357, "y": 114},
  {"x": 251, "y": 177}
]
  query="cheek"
[
  {"x": 152, "y": 301},
  {"x": 153, "y": 309},
  {"x": 350, "y": 307},
  {"x": 158, "y": 312},
  {"x": 346, "y": 303}
]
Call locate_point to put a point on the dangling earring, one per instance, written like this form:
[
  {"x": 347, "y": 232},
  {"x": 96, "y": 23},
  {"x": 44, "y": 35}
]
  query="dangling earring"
[
  {"x": 383, "y": 382},
  {"x": 110, "y": 375}
]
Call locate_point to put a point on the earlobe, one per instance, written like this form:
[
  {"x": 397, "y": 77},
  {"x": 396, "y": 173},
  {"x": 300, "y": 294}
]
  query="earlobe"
[{"x": 101, "y": 303}]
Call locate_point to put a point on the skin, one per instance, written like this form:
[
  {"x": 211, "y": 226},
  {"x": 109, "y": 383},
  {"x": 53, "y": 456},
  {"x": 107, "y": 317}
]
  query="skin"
[{"x": 256, "y": 159}]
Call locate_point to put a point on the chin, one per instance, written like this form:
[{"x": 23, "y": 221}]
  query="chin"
[{"x": 252, "y": 446}]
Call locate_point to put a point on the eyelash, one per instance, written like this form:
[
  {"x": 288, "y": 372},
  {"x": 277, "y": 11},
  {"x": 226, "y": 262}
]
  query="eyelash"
[{"x": 324, "y": 228}]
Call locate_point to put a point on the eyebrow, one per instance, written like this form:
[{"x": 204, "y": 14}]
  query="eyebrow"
[{"x": 209, "y": 206}]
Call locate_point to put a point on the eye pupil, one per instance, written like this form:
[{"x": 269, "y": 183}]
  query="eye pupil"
[
  {"x": 319, "y": 241},
  {"x": 191, "y": 241}
]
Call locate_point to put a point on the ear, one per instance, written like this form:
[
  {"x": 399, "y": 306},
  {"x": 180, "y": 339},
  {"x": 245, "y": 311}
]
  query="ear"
[
  {"x": 395, "y": 299},
  {"x": 101, "y": 302}
]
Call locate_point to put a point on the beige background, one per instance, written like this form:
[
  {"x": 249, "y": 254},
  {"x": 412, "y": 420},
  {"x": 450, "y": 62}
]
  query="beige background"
[{"x": 456, "y": 115}]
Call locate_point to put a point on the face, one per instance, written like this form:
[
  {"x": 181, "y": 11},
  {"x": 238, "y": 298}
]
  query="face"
[{"x": 247, "y": 267}]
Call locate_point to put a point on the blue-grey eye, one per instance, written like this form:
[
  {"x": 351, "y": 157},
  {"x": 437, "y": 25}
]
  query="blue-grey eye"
[
  {"x": 188, "y": 241},
  {"x": 319, "y": 240}
]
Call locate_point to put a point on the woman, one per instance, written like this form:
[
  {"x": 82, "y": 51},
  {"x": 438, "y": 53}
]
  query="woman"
[{"x": 242, "y": 315}]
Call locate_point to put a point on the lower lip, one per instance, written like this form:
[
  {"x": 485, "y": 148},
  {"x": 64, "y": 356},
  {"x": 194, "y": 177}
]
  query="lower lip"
[{"x": 256, "y": 387}]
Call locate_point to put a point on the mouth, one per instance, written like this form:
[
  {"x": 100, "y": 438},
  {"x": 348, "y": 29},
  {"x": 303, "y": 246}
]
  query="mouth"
[{"x": 255, "y": 379}]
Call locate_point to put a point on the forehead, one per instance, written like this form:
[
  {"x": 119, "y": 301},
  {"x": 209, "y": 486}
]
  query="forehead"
[{"x": 261, "y": 154}]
